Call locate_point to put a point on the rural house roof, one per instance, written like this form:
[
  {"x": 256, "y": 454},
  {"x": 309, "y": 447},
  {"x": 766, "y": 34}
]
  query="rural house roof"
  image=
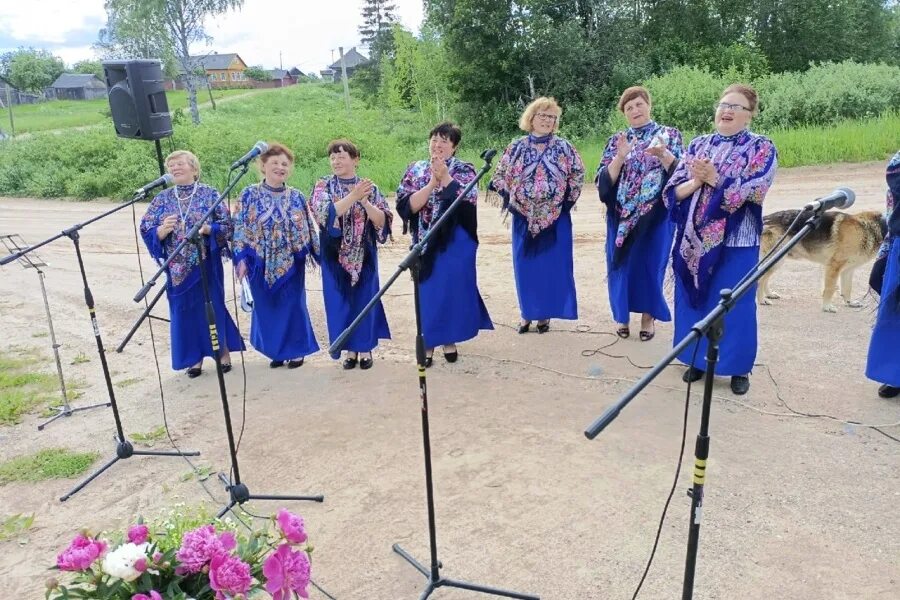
[
  {"x": 279, "y": 73},
  {"x": 351, "y": 59},
  {"x": 213, "y": 62},
  {"x": 77, "y": 80}
]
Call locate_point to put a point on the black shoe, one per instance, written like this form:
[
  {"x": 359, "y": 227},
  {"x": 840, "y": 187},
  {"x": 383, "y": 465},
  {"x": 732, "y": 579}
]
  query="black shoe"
[
  {"x": 888, "y": 391},
  {"x": 740, "y": 384},
  {"x": 543, "y": 327},
  {"x": 293, "y": 364},
  {"x": 226, "y": 367},
  {"x": 429, "y": 360},
  {"x": 194, "y": 372},
  {"x": 692, "y": 374},
  {"x": 350, "y": 362},
  {"x": 366, "y": 363},
  {"x": 524, "y": 327},
  {"x": 451, "y": 356},
  {"x": 276, "y": 363}
]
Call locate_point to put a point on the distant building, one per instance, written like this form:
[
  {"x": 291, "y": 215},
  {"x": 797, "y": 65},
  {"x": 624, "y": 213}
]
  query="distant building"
[
  {"x": 352, "y": 61},
  {"x": 277, "y": 78},
  {"x": 222, "y": 71},
  {"x": 296, "y": 73},
  {"x": 78, "y": 86}
]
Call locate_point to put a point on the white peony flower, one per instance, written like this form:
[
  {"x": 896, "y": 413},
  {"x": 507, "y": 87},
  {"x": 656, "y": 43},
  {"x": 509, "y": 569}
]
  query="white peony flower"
[{"x": 120, "y": 563}]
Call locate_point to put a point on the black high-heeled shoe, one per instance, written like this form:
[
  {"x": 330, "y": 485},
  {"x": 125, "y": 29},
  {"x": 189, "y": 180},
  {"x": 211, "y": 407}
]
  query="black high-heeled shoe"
[
  {"x": 366, "y": 363},
  {"x": 524, "y": 327},
  {"x": 276, "y": 363},
  {"x": 194, "y": 372},
  {"x": 543, "y": 327},
  {"x": 429, "y": 360},
  {"x": 350, "y": 362},
  {"x": 451, "y": 357},
  {"x": 293, "y": 364}
]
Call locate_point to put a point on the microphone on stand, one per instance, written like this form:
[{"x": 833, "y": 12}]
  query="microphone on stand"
[
  {"x": 258, "y": 148},
  {"x": 165, "y": 180},
  {"x": 840, "y": 198}
]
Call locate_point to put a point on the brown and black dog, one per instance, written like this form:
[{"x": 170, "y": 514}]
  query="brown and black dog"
[{"x": 841, "y": 242}]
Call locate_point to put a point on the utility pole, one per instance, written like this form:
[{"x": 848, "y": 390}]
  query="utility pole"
[
  {"x": 280, "y": 63},
  {"x": 344, "y": 77}
]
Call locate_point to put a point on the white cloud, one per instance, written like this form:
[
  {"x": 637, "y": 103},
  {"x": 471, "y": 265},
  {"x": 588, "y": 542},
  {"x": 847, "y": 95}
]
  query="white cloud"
[
  {"x": 48, "y": 23},
  {"x": 305, "y": 32}
]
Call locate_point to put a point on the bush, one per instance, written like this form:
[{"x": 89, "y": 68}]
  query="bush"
[{"x": 828, "y": 93}]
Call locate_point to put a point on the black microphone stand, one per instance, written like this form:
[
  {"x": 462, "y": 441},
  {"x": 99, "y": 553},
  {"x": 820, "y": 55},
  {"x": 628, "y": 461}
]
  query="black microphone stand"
[
  {"x": 712, "y": 326},
  {"x": 124, "y": 448},
  {"x": 413, "y": 262},
  {"x": 238, "y": 492}
]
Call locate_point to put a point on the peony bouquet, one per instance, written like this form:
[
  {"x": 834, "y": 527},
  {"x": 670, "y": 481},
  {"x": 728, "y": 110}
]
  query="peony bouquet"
[{"x": 204, "y": 563}]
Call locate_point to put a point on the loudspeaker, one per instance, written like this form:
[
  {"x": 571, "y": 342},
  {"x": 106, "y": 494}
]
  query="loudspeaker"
[{"x": 137, "y": 99}]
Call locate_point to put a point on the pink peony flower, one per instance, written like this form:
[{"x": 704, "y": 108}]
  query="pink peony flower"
[
  {"x": 140, "y": 565},
  {"x": 154, "y": 595},
  {"x": 287, "y": 572},
  {"x": 200, "y": 546},
  {"x": 229, "y": 576},
  {"x": 138, "y": 534},
  {"x": 292, "y": 526},
  {"x": 80, "y": 554}
]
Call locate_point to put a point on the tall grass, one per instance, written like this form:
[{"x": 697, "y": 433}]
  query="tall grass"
[{"x": 94, "y": 163}]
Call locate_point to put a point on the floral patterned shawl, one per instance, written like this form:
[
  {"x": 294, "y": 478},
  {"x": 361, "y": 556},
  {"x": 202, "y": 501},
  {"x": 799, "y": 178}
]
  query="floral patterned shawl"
[
  {"x": 643, "y": 176},
  {"x": 535, "y": 176},
  {"x": 189, "y": 203},
  {"x": 746, "y": 164},
  {"x": 272, "y": 229},
  {"x": 418, "y": 175},
  {"x": 352, "y": 224}
]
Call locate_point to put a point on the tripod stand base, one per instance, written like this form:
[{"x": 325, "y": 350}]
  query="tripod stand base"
[
  {"x": 239, "y": 493},
  {"x": 440, "y": 582},
  {"x": 124, "y": 450},
  {"x": 68, "y": 411}
]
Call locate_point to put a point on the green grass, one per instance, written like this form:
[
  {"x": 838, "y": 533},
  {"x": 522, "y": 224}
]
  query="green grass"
[
  {"x": 151, "y": 437},
  {"x": 21, "y": 388},
  {"x": 51, "y": 463},
  {"x": 128, "y": 382},
  {"x": 62, "y": 114},
  {"x": 13, "y": 526},
  {"x": 95, "y": 163}
]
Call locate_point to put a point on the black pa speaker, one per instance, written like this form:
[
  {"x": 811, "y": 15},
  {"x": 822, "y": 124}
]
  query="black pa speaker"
[{"x": 137, "y": 99}]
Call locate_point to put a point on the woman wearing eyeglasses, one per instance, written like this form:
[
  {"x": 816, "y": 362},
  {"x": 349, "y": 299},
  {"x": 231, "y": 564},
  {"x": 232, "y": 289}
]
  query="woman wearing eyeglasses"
[
  {"x": 715, "y": 198},
  {"x": 539, "y": 178},
  {"x": 635, "y": 166},
  {"x": 883, "y": 363}
]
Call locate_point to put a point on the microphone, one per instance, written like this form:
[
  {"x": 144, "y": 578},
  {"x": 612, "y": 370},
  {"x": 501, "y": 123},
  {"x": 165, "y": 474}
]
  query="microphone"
[
  {"x": 166, "y": 179},
  {"x": 258, "y": 148},
  {"x": 839, "y": 198}
]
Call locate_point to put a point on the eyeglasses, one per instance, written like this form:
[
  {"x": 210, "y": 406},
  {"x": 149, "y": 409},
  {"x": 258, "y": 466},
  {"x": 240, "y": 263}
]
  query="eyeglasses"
[
  {"x": 546, "y": 117},
  {"x": 729, "y": 106}
]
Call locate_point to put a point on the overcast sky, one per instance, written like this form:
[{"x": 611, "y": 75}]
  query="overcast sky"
[{"x": 306, "y": 32}]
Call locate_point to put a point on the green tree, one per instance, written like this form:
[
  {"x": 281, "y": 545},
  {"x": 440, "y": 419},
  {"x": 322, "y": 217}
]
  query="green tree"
[
  {"x": 91, "y": 67},
  {"x": 30, "y": 69},
  {"x": 379, "y": 17},
  {"x": 179, "y": 23},
  {"x": 257, "y": 73}
]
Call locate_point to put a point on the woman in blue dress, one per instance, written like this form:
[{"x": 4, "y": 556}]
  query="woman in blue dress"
[
  {"x": 353, "y": 217},
  {"x": 634, "y": 169},
  {"x": 883, "y": 364},
  {"x": 451, "y": 306},
  {"x": 171, "y": 214},
  {"x": 275, "y": 237},
  {"x": 539, "y": 178},
  {"x": 715, "y": 198}
]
